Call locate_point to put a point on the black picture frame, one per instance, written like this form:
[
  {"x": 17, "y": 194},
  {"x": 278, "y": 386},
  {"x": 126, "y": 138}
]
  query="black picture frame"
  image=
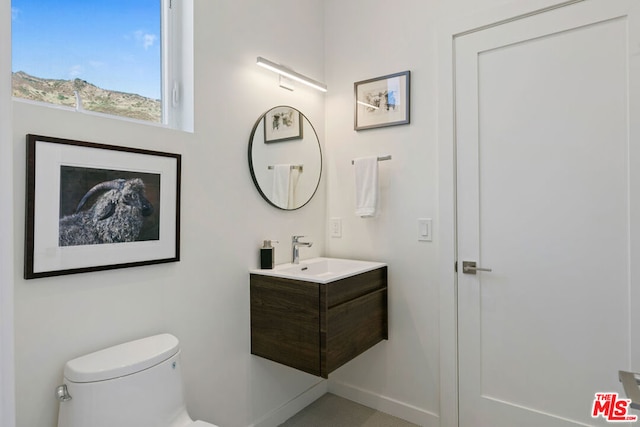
[
  {"x": 92, "y": 207},
  {"x": 282, "y": 123},
  {"x": 382, "y": 101}
]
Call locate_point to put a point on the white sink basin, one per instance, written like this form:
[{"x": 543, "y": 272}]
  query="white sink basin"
[{"x": 320, "y": 270}]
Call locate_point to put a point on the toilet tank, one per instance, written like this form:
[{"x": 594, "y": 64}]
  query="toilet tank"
[{"x": 136, "y": 384}]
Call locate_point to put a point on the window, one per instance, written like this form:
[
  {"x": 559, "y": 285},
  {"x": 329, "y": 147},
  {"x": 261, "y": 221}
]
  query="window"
[{"x": 120, "y": 57}]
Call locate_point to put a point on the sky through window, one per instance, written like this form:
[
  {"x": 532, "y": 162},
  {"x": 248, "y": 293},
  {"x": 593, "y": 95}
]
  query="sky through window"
[{"x": 113, "y": 44}]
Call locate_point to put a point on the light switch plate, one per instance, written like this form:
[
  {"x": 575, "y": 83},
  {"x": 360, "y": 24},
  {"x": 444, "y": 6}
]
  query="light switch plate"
[
  {"x": 335, "y": 225},
  {"x": 425, "y": 229}
]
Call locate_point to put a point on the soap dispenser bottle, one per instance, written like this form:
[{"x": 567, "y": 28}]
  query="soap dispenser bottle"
[{"x": 267, "y": 255}]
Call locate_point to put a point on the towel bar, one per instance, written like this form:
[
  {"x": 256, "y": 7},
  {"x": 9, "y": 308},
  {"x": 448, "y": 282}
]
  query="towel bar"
[
  {"x": 380, "y": 159},
  {"x": 292, "y": 167},
  {"x": 630, "y": 383}
]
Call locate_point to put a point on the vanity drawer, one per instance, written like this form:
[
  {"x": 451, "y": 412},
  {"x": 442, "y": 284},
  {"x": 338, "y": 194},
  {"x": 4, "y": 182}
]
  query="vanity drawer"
[
  {"x": 352, "y": 328},
  {"x": 347, "y": 289}
]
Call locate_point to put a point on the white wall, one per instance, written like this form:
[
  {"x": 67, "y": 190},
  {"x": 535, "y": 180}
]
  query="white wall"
[
  {"x": 203, "y": 299},
  {"x": 7, "y": 413}
]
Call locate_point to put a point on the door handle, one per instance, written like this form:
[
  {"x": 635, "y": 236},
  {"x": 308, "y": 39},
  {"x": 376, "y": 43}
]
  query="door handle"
[
  {"x": 630, "y": 383},
  {"x": 469, "y": 267}
]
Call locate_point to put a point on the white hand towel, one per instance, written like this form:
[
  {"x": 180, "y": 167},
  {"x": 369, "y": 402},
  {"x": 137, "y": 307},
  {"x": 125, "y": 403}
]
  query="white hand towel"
[
  {"x": 281, "y": 185},
  {"x": 366, "y": 170},
  {"x": 294, "y": 176}
]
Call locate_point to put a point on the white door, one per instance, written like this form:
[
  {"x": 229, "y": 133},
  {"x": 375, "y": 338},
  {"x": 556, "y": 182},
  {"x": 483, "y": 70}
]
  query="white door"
[{"x": 548, "y": 197}]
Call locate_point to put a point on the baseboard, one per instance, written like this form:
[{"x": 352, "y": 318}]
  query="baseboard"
[
  {"x": 292, "y": 407},
  {"x": 384, "y": 404}
]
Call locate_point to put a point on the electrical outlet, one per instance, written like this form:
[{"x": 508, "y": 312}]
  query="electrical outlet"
[{"x": 335, "y": 225}]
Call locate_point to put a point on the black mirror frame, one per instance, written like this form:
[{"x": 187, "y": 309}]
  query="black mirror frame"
[{"x": 251, "y": 169}]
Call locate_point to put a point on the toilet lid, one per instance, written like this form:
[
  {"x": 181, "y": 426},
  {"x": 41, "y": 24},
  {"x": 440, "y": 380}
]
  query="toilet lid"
[
  {"x": 123, "y": 359},
  {"x": 201, "y": 424}
]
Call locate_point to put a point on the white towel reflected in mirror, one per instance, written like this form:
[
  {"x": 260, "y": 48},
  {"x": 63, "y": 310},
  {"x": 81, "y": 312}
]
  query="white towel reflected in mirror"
[
  {"x": 294, "y": 177},
  {"x": 285, "y": 182}
]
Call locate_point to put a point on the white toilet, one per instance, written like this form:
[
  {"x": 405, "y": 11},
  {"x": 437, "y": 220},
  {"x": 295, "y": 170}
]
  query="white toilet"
[{"x": 135, "y": 384}]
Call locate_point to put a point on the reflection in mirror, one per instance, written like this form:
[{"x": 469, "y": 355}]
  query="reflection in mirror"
[{"x": 285, "y": 158}]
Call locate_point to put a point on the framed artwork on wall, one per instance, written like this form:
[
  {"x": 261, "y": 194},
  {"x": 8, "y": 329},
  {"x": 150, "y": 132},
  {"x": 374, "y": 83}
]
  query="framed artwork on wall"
[
  {"x": 282, "y": 124},
  {"x": 93, "y": 207},
  {"x": 382, "y": 101}
]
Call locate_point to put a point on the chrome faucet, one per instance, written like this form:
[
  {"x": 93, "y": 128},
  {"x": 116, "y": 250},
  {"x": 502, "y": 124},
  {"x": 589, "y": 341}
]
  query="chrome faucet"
[{"x": 295, "y": 251}]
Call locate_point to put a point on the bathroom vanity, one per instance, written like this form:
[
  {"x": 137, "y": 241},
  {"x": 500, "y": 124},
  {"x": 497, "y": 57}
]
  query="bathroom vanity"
[{"x": 318, "y": 315}]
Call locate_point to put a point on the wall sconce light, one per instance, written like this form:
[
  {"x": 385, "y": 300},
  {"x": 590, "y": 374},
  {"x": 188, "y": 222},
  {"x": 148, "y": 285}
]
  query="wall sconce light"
[{"x": 290, "y": 74}]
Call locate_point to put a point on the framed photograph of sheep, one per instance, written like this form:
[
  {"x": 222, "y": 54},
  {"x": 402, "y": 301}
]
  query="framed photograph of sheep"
[
  {"x": 382, "y": 101},
  {"x": 96, "y": 207}
]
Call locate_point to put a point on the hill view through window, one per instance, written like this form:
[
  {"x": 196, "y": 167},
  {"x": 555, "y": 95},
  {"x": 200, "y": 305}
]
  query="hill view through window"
[{"x": 102, "y": 56}]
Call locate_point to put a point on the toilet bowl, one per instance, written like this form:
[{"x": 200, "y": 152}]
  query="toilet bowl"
[{"x": 135, "y": 384}]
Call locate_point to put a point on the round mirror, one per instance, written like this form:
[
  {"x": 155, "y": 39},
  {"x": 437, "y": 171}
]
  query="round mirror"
[{"x": 285, "y": 158}]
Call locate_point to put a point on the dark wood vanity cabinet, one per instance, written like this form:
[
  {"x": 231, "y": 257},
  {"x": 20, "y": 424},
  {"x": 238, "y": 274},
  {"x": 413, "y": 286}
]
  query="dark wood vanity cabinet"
[{"x": 317, "y": 327}]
